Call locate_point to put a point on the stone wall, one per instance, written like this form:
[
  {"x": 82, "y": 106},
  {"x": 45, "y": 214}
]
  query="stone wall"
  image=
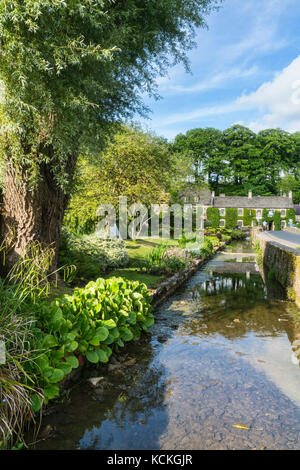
[
  {"x": 292, "y": 229},
  {"x": 282, "y": 262}
]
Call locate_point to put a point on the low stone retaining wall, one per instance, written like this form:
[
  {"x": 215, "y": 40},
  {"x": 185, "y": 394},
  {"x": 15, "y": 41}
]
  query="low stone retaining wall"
[
  {"x": 158, "y": 296},
  {"x": 283, "y": 261},
  {"x": 292, "y": 229},
  {"x": 169, "y": 286}
]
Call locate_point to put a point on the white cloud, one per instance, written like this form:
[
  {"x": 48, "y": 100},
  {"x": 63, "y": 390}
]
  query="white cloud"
[
  {"x": 276, "y": 102},
  {"x": 217, "y": 80},
  {"x": 201, "y": 113}
]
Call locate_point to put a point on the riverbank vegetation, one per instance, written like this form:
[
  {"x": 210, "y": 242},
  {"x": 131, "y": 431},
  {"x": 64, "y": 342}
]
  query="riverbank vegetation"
[
  {"x": 44, "y": 341},
  {"x": 46, "y": 338}
]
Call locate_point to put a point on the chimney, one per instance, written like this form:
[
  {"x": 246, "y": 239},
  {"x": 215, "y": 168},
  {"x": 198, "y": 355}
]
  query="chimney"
[
  {"x": 291, "y": 195},
  {"x": 250, "y": 194}
]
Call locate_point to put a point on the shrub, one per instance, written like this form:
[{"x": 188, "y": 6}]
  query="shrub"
[
  {"x": 207, "y": 248},
  {"x": 259, "y": 253},
  {"x": 238, "y": 235},
  {"x": 163, "y": 259},
  {"x": 90, "y": 255},
  {"x": 215, "y": 241},
  {"x": 176, "y": 259},
  {"x": 182, "y": 242}
]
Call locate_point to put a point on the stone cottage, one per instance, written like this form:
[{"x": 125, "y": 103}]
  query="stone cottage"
[{"x": 249, "y": 208}]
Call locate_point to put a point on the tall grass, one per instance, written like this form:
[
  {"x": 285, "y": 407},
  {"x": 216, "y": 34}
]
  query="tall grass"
[{"x": 29, "y": 280}]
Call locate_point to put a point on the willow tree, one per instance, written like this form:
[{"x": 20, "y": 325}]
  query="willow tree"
[{"x": 69, "y": 70}]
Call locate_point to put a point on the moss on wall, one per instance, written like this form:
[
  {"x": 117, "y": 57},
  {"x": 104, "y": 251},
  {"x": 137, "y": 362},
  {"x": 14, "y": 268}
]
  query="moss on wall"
[{"x": 283, "y": 263}]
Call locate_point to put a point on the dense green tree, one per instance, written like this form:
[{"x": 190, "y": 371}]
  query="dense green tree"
[
  {"x": 240, "y": 152},
  {"x": 135, "y": 164},
  {"x": 289, "y": 183},
  {"x": 70, "y": 69},
  {"x": 237, "y": 160},
  {"x": 276, "y": 149},
  {"x": 205, "y": 148},
  {"x": 295, "y": 160}
]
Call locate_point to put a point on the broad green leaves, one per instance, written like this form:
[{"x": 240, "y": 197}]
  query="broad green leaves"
[{"x": 105, "y": 312}]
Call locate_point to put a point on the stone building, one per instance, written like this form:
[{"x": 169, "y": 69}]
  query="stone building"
[{"x": 247, "y": 206}]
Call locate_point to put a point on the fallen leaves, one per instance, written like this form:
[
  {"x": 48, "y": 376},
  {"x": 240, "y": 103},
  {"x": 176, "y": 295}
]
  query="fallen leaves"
[{"x": 242, "y": 426}]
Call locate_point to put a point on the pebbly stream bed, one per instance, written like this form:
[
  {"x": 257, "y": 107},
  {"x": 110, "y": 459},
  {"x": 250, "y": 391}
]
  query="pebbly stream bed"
[{"x": 218, "y": 371}]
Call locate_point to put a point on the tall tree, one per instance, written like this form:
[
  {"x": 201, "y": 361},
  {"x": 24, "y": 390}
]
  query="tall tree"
[
  {"x": 277, "y": 149},
  {"x": 237, "y": 159},
  {"x": 70, "y": 69},
  {"x": 135, "y": 164},
  {"x": 240, "y": 151},
  {"x": 205, "y": 149}
]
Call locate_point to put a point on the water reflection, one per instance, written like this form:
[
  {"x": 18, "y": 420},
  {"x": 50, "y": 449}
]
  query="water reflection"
[
  {"x": 115, "y": 415},
  {"x": 219, "y": 353}
]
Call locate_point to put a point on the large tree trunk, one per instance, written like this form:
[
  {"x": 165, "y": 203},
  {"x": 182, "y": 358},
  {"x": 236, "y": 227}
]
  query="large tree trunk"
[{"x": 29, "y": 216}]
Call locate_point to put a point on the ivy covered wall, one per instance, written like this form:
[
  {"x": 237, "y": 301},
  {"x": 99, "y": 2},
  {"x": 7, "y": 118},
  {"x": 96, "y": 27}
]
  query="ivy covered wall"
[
  {"x": 231, "y": 217},
  {"x": 213, "y": 216},
  {"x": 249, "y": 215}
]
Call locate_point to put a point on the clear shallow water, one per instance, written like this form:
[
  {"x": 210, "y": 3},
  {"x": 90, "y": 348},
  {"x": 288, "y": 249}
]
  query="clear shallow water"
[
  {"x": 219, "y": 354},
  {"x": 239, "y": 247}
]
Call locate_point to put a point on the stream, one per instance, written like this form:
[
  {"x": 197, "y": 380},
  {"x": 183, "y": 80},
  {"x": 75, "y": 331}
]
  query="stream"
[{"x": 217, "y": 371}]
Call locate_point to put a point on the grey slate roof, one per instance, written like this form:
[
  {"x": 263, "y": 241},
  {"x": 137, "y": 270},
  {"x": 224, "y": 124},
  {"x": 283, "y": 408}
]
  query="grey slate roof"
[{"x": 256, "y": 202}]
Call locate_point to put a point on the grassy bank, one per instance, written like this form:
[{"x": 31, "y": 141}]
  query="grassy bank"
[{"x": 138, "y": 251}]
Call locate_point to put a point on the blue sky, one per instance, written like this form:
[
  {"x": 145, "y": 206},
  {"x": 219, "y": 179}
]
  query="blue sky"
[{"x": 245, "y": 69}]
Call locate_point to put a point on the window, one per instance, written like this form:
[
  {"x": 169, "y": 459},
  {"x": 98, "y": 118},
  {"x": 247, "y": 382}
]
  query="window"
[
  {"x": 222, "y": 223},
  {"x": 240, "y": 223},
  {"x": 240, "y": 212},
  {"x": 222, "y": 212},
  {"x": 283, "y": 212},
  {"x": 196, "y": 199},
  {"x": 283, "y": 224}
]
